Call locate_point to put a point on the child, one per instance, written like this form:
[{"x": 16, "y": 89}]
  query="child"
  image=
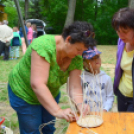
[
  {"x": 15, "y": 43},
  {"x": 30, "y": 33},
  {"x": 95, "y": 80},
  {"x": 34, "y": 27}
]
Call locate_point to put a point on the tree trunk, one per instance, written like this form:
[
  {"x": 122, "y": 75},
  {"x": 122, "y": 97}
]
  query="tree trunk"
[
  {"x": 96, "y": 10},
  {"x": 131, "y": 3},
  {"x": 82, "y": 10},
  {"x": 26, "y": 8},
  {"x": 71, "y": 12}
]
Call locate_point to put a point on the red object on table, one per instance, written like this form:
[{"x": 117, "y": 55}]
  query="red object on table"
[{"x": 2, "y": 119}]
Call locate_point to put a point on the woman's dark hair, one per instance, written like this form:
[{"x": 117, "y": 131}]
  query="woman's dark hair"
[
  {"x": 80, "y": 31},
  {"x": 123, "y": 18}
]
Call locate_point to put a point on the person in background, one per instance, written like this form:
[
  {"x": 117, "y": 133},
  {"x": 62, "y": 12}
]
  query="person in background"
[
  {"x": 7, "y": 45},
  {"x": 30, "y": 33},
  {"x": 123, "y": 23},
  {"x": 23, "y": 39},
  {"x": 18, "y": 30},
  {"x": 6, "y": 34},
  {"x": 15, "y": 44},
  {"x": 34, "y": 83},
  {"x": 34, "y": 27},
  {"x": 5, "y": 22},
  {"x": 2, "y": 53},
  {"x": 95, "y": 82}
]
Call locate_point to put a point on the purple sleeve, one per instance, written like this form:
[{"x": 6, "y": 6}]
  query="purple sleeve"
[{"x": 118, "y": 70}]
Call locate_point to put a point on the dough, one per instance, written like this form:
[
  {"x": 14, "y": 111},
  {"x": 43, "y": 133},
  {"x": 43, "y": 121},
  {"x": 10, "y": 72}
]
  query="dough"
[{"x": 90, "y": 121}]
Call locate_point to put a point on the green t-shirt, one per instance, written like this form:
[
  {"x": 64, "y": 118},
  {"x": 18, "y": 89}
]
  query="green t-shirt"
[{"x": 19, "y": 78}]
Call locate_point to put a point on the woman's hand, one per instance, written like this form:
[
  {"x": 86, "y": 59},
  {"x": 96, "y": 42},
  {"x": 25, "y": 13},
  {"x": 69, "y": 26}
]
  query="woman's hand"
[
  {"x": 83, "y": 109},
  {"x": 66, "y": 114},
  {"x": 104, "y": 110}
]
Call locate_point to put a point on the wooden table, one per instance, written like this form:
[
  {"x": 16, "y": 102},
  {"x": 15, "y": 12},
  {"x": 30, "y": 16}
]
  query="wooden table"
[{"x": 114, "y": 123}]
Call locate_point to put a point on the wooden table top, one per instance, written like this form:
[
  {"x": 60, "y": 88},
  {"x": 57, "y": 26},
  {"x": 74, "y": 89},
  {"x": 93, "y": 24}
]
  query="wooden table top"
[{"x": 113, "y": 123}]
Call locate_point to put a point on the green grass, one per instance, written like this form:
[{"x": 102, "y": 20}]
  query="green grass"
[
  {"x": 12, "y": 122},
  {"x": 5, "y": 109},
  {"x": 3, "y": 96},
  {"x": 108, "y": 57}
]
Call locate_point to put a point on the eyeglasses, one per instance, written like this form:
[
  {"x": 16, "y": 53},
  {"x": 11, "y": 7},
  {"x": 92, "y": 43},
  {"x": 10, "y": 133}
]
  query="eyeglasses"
[{"x": 88, "y": 34}]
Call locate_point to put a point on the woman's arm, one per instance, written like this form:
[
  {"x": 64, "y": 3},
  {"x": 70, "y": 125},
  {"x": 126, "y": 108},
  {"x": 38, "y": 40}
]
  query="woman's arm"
[
  {"x": 39, "y": 77},
  {"x": 75, "y": 87},
  {"x": 75, "y": 90}
]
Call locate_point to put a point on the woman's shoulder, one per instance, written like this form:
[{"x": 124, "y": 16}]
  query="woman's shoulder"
[
  {"x": 47, "y": 41},
  {"x": 120, "y": 42},
  {"x": 44, "y": 45}
]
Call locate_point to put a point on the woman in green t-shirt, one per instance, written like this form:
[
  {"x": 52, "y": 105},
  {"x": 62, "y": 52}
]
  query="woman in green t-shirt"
[{"x": 35, "y": 81}]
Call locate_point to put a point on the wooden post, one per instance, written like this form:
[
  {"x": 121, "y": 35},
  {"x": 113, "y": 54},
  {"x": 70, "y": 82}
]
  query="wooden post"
[{"x": 21, "y": 21}]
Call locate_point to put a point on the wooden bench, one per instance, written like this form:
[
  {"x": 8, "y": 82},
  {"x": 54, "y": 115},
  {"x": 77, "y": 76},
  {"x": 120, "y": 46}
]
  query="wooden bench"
[{"x": 114, "y": 123}]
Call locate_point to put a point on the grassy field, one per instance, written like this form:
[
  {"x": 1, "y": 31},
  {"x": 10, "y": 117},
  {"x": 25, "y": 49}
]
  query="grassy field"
[{"x": 108, "y": 64}]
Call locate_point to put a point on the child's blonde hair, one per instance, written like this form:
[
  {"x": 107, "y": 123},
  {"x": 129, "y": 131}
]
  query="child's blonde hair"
[
  {"x": 28, "y": 24},
  {"x": 15, "y": 29}
]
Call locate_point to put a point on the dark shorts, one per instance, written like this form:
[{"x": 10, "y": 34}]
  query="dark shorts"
[{"x": 125, "y": 104}]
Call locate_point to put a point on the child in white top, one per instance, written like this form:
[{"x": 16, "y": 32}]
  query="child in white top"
[{"x": 99, "y": 83}]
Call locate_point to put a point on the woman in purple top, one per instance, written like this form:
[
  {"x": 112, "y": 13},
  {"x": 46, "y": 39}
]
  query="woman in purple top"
[{"x": 123, "y": 23}]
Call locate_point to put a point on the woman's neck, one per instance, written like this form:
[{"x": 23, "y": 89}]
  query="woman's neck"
[
  {"x": 62, "y": 59},
  {"x": 129, "y": 47},
  {"x": 60, "y": 46}
]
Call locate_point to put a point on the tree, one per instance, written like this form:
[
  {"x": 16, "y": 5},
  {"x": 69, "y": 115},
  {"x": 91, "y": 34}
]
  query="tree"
[
  {"x": 2, "y": 1},
  {"x": 36, "y": 7},
  {"x": 71, "y": 12},
  {"x": 131, "y": 3},
  {"x": 26, "y": 8},
  {"x": 11, "y": 13},
  {"x": 96, "y": 9},
  {"x": 56, "y": 12}
]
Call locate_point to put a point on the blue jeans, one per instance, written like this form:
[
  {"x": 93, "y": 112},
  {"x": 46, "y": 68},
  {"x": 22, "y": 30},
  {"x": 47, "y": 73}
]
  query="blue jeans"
[{"x": 30, "y": 117}]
